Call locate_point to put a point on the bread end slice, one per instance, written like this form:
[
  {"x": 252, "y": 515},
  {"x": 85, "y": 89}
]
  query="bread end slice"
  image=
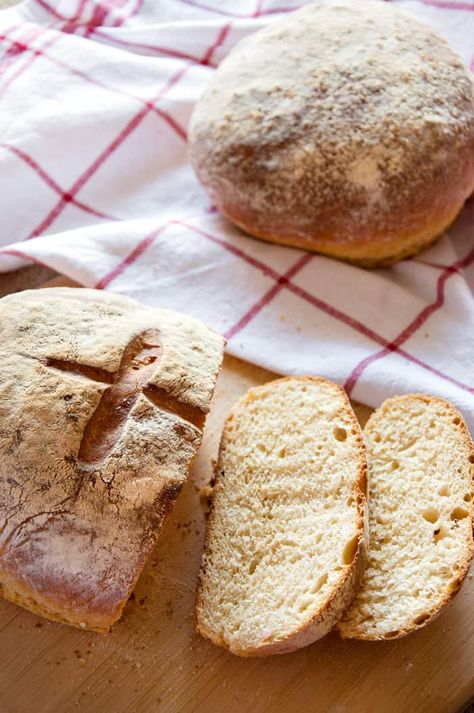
[
  {"x": 285, "y": 535},
  {"x": 421, "y": 470}
]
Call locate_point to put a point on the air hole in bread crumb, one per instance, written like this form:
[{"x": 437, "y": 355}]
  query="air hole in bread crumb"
[
  {"x": 467, "y": 498},
  {"x": 456, "y": 421},
  {"x": 431, "y": 515},
  {"x": 254, "y": 564},
  {"x": 377, "y": 438},
  {"x": 471, "y": 459},
  {"x": 340, "y": 434},
  {"x": 391, "y": 634},
  {"x": 440, "y": 533},
  {"x": 421, "y": 619},
  {"x": 282, "y": 453},
  {"x": 350, "y": 550},
  {"x": 319, "y": 583},
  {"x": 304, "y": 605},
  {"x": 236, "y": 628},
  {"x": 459, "y": 513},
  {"x": 444, "y": 490},
  {"x": 350, "y": 501},
  {"x": 395, "y": 465}
]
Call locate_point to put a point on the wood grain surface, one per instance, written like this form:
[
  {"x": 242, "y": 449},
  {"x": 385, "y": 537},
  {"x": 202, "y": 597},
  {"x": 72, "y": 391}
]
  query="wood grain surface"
[{"x": 153, "y": 660}]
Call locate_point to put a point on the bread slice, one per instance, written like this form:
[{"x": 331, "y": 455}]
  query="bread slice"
[
  {"x": 102, "y": 406},
  {"x": 421, "y": 468},
  {"x": 285, "y": 533}
]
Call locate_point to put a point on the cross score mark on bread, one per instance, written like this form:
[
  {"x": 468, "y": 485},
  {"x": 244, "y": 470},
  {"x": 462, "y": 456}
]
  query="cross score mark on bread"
[{"x": 136, "y": 369}]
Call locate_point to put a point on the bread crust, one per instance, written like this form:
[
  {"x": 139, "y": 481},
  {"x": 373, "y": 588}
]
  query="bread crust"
[
  {"x": 367, "y": 160},
  {"x": 468, "y": 551},
  {"x": 102, "y": 405},
  {"x": 323, "y": 620},
  {"x": 369, "y": 254}
]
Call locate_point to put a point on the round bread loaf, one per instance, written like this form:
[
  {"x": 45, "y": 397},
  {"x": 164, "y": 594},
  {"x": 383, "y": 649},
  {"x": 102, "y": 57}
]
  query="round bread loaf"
[{"x": 347, "y": 129}]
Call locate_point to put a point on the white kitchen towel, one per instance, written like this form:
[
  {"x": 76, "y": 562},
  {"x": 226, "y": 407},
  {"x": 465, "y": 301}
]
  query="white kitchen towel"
[{"x": 95, "y": 99}]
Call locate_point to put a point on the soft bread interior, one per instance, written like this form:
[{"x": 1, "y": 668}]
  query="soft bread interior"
[
  {"x": 421, "y": 472},
  {"x": 287, "y": 518}
]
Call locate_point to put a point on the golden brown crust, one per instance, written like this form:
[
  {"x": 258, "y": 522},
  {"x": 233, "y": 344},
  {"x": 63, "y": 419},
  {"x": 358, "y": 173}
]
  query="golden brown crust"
[
  {"x": 468, "y": 555},
  {"x": 370, "y": 254},
  {"x": 102, "y": 403},
  {"x": 328, "y": 614},
  {"x": 366, "y": 161}
]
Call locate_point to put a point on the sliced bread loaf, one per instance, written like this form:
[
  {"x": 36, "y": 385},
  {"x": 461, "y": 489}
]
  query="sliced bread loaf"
[
  {"x": 102, "y": 406},
  {"x": 421, "y": 473},
  {"x": 285, "y": 532}
]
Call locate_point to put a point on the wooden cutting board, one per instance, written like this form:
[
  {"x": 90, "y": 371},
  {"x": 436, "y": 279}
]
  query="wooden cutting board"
[{"x": 154, "y": 661}]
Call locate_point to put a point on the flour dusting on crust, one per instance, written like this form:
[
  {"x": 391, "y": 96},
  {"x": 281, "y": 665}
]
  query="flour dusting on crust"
[{"x": 345, "y": 121}]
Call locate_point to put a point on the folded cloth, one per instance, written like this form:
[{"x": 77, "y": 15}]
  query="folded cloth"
[{"x": 95, "y": 101}]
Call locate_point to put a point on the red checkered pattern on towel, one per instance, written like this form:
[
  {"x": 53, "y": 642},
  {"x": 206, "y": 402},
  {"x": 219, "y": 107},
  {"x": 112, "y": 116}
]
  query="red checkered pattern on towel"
[{"x": 96, "y": 97}]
